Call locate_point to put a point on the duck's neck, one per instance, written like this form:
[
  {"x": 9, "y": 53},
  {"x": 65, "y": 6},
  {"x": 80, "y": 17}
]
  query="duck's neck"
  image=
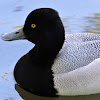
[{"x": 47, "y": 50}]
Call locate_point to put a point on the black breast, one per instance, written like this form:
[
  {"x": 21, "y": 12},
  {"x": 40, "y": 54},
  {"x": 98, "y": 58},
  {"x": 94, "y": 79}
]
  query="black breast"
[{"x": 34, "y": 77}]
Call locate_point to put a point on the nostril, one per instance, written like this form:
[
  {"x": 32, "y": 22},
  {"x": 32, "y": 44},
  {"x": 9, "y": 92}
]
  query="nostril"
[{"x": 16, "y": 32}]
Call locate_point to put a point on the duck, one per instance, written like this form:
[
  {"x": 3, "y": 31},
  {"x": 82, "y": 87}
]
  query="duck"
[{"x": 59, "y": 64}]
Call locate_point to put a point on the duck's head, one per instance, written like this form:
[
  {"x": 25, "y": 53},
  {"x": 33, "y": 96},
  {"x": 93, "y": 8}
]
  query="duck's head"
[{"x": 41, "y": 26}]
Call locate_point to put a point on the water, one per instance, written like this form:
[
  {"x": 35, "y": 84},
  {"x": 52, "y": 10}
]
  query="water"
[
  {"x": 28, "y": 96},
  {"x": 77, "y": 16}
]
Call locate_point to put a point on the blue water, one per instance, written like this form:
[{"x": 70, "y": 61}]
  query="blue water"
[{"x": 14, "y": 12}]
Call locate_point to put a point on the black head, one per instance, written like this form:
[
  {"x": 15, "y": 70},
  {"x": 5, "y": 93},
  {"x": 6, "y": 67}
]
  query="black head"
[{"x": 44, "y": 25}]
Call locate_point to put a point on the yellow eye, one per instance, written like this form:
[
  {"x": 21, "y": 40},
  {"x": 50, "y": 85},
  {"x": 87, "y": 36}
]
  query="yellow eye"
[{"x": 33, "y": 25}]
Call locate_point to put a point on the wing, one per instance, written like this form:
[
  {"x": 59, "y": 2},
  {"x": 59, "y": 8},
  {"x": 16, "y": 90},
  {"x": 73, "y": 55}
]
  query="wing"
[
  {"x": 77, "y": 53},
  {"x": 82, "y": 81},
  {"x": 81, "y": 37}
]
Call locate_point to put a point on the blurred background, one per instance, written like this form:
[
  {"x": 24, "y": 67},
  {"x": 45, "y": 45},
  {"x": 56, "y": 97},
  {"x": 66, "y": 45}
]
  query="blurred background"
[{"x": 77, "y": 15}]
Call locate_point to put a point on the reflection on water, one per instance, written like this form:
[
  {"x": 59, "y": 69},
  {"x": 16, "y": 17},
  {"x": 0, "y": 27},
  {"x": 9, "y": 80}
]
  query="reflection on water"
[
  {"x": 87, "y": 24},
  {"x": 28, "y": 96},
  {"x": 91, "y": 23},
  {"x": 19, "y": 8}
]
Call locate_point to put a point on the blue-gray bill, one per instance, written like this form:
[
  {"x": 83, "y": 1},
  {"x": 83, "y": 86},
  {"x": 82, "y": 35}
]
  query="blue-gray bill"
[{"x": 16, "y": 35}]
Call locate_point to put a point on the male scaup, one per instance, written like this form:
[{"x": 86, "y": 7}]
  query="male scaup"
[{"x": 58, "y": 64}]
